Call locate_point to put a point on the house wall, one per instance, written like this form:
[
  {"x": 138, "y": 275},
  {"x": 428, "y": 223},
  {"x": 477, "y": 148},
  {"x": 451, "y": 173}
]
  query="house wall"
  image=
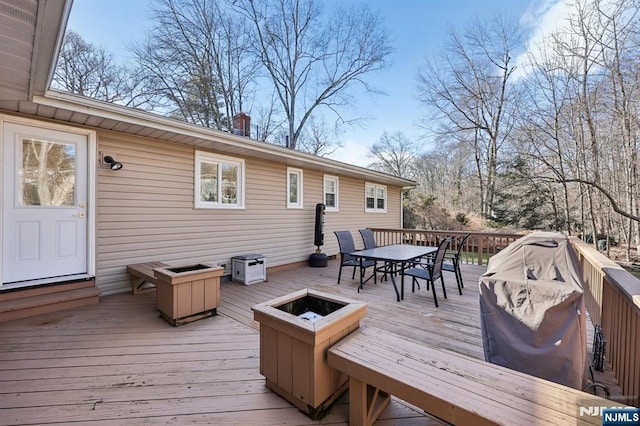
[{"x": 145, "y": 212}]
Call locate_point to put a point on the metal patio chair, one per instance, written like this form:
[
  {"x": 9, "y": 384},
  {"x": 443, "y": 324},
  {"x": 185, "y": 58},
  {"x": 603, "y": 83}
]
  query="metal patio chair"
[
  {"x": 453, "y": 259},
  {"x": 430, "y": 271},
  {"x": 369, "y": 241},
  {"x": 348, "y": 246}
]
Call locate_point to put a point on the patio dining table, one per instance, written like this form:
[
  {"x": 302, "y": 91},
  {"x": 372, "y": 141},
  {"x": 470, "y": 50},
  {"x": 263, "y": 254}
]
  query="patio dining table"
[{"x": 393, "y": 255}]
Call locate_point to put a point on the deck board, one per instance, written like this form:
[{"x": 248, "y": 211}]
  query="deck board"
[{"x": 117, "y": 362}]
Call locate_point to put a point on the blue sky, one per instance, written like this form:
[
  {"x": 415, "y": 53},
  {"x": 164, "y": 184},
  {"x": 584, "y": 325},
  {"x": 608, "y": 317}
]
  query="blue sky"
[{"x": 418, "y": 28}]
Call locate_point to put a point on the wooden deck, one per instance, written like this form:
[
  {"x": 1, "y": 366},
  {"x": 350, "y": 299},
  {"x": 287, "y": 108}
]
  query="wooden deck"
[{"x": 118, "y": 362}]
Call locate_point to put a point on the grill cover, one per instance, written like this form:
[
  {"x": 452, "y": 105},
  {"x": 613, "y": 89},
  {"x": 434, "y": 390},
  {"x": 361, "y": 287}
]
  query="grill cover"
[{"x": 532, "y": 309}]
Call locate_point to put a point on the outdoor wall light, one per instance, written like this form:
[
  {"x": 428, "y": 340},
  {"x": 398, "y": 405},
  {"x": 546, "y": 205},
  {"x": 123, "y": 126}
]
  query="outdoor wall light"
[{"x": 115, "y": 165}]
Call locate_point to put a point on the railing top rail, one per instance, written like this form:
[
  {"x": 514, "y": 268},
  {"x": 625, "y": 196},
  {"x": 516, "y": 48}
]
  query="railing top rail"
[
  {"x": 616, "y": 274},
  {"x": 441, "y": 232}
]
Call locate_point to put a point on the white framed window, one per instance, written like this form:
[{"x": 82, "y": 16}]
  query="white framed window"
[
  {"x": 219, "y": 181},
  {"x": 294, "y": 188},
  {"x": 375, "y": 198},
  {"x": 331, "y": 193}
]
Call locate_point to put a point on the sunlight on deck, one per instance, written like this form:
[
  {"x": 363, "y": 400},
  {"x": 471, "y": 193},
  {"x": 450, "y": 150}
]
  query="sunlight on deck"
[{"x": 119, "y": 362}]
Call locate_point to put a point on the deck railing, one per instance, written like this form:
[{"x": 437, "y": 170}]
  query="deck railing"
[
  {"x": 478, "y": 248},
  {"x": 613, "y": 302},
  {"x": 612, "y": 295}
]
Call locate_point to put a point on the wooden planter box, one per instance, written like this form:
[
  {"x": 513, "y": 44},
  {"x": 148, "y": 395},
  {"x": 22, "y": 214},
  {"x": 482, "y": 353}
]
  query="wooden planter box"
[
  {"x": 187, "y": 293},
  {"x": 293, "y": 350}
]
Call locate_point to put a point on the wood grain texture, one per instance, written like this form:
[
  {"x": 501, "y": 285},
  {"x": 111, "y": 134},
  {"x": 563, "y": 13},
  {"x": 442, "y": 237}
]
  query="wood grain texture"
[
  {"x": 117, "y": 362},
  {"x": 454, "y": 387}
]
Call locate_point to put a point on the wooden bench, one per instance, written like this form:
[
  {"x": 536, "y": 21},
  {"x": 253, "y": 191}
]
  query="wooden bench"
[
  {"x": 142, "y": 276},
  {"x": 453, "y": 387}
]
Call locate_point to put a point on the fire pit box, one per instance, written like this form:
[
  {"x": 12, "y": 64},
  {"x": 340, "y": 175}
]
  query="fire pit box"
[
  {"x": 296, "y": 330},
  {"x": 187, "y": 293}
]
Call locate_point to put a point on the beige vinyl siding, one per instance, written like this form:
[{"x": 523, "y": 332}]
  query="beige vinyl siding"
[
  {"x": 145, "y": 212},
  {"x": 352, "y": 214}
]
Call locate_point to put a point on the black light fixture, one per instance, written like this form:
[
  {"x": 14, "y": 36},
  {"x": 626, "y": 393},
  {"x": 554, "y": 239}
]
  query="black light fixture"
[{"x": 115, "y": 165}]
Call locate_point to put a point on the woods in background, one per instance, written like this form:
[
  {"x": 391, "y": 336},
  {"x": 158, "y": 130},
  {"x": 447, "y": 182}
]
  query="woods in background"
[{"x": 546, "y": 139}]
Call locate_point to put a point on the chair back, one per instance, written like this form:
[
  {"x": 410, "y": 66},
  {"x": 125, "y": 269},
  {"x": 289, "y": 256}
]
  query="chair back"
[
  {"x": 439, "y": 258},
  {"x": 368, "y": 238},
  {"x": 346, "y": 243},
  {"x": 461, "y": 245}
]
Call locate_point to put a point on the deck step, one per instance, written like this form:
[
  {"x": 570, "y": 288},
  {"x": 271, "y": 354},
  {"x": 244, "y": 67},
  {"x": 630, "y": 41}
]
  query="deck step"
[{"x": 32, "y": 302}]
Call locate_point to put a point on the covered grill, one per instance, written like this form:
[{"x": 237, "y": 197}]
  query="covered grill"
[{"x": 532, "y": 309}]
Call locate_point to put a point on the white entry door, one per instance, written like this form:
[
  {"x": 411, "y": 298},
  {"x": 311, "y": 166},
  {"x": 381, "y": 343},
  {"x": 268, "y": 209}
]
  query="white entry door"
[{"x": 44, "y": 205}]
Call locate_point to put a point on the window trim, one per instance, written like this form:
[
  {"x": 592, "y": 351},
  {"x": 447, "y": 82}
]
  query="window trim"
[
  {"x": 300, "y": 203},
  {"x": 208, "y": 157},
  {"x": 375, "y": 208},
  {"x": 337, "y": 193}
]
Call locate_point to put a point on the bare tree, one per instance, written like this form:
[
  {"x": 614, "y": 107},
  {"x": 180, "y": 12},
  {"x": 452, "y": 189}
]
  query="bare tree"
[
  {"x": 91, "y": 71},
  {"x": 265, "y": 119},
  {"x": 581, "y": 117},
  {"x": 469, "y": 91},
  {"x": 619, "y": 47},
  {"x": 318, "y": 138},
  {"x": 394, "y": 154},
  {"x": 312, "y": 60},
  {"x": 543, "y": 124},
  {"x": 446, "y": 172},
  {"x": 197, "y": 61}
]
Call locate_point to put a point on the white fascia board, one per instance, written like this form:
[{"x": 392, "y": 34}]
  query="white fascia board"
[{"x": 106, "y": 110}]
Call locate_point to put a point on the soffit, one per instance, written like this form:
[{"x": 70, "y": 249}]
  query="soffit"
[{"x": 77, "y": 110}]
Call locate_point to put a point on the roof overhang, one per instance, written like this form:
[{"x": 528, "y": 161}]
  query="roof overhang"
[
  {"x": 30, "y": 35},
  {"x": 62, "y": 106}
]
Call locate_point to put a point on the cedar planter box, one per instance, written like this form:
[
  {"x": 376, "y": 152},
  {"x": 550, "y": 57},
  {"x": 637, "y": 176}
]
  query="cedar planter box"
[
  {"x": 296, "y": 331},
  {"x": 187, "y": 293}
]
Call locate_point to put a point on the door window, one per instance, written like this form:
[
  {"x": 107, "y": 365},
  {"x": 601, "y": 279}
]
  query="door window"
[{"x": 47, "y": 176}]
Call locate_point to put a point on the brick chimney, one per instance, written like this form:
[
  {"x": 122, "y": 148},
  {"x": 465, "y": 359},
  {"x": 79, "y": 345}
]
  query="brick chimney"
[{"x": 242, "y": 124}]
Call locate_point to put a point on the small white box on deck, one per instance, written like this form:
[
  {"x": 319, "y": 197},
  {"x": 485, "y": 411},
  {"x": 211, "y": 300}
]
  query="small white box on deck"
[{"x": 249, "y": 268}]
